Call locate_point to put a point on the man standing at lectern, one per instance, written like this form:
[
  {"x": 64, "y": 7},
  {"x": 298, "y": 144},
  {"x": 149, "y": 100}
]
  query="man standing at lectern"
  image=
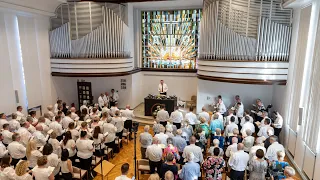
[{"x": 163, "y": 88}]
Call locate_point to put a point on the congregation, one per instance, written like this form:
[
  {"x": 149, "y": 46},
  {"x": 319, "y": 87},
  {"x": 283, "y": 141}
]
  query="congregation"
[
  {"x": 63, "y": 142},
  {"x": 210, "y": 144}
]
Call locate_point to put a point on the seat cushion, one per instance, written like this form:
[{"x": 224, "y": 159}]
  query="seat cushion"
[{"x": 144, "y": 168}]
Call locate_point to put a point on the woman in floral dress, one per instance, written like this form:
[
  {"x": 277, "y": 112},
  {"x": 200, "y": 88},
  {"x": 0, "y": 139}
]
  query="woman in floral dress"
[{"x": 213, "y": 166}]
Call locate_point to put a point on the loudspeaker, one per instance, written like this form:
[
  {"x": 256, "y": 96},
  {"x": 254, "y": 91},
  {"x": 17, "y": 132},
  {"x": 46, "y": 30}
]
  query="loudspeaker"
[
  {"x": 300, "y": 116},
  {"x": 17, "y": 96}
]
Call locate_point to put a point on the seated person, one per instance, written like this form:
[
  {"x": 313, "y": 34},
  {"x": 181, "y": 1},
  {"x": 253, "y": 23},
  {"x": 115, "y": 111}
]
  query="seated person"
[
  {"x": 279, "y": 166},
  {"x": 219, "y": 137},
  {"x": 235, "y": 134}
]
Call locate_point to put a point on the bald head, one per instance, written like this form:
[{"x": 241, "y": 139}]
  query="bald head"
[
  {"x": 39, "y": 127},
  {"x": 127, "y": 106},
  {"x": 192, "y": 140},
  {"x": 203, "y": 108},
  {"x": 240, "y": 146}
]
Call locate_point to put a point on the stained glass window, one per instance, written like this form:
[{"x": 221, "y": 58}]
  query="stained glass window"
[{"x": 170, "y": 38}]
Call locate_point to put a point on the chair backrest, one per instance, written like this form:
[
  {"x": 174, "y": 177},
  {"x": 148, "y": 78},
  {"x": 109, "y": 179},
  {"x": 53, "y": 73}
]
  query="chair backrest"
[
  {"x": 194, "y": 98},
  {"x": 143, "y": 162}
]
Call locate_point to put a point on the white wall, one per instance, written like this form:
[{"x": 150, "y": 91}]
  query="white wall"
[
  {"x": 25, "y": 55},
  {"x": 139, "y": 85},
  {"x": 248, "y": 93}
]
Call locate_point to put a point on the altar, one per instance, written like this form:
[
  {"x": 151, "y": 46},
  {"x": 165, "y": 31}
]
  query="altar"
[{"x": 150, "y": 105}]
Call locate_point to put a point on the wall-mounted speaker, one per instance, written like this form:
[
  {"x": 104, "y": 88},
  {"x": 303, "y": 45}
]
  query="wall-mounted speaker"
[
  {"x": 300, "y": 116},
  {"x": 17, "y": 96}
]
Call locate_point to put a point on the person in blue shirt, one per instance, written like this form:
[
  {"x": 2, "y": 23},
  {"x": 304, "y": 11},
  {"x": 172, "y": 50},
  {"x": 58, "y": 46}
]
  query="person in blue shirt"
[
  {"x": 214, "y": 124},
  {"x": 219, "y": 137},
  {"x": 191, "y": 170}
]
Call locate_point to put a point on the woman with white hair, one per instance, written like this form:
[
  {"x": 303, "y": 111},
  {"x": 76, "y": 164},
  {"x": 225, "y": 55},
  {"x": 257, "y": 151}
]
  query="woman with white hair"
[
  {"x": 216, "y": 143},
  {"x": 162, "y": 137},
  {"x": 289, "y": 172},
  {"x": 279, "y": 166},
  {"x": 169, "y": 132},
  {"x": 248, "y": 141},
  {"x": 187, "y": 130}
]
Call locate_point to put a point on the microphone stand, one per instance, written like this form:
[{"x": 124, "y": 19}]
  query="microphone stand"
[{"x": 135, "y": 152}]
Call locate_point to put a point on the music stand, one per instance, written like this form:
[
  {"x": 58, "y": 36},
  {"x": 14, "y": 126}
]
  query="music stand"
[{"x": 104, "y": 168}]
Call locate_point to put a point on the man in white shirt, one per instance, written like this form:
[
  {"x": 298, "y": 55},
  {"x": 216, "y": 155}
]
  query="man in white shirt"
[
  {"x": 220, "y": 105},
  {"x": 101, "y": 101},
  {"x": 66, "y": 120},
  {"x": 239, "y": 110},
  {"x": 84, "y": 106},
  {"x": 191, "y": 117},
  {"x": 38, "y": 136},
  {"x": 204, "y": 114},
  {"x": 246, "y": 113},
  {"x": 114, "y": 97},
  {"x": 56, "y": 107},
  {"x": 7, "y": 135},
  {"x": 176, "y": 117},
  {"x": 19, "y": 112},
  {"x": 192, "y": 148},
  {"x": 163, "y": 116},
  {"x": 50, "y": 111},
  {"x": 231, "y": 126},
  {"x": 124, "y": 172},
  {"x": 113, "y": 109},
  {"x": 258, "y": 145},
  {"x": 127, "y": 113},
  {"x": 238, "y": 163},
  {"x": 247, "y": 125},
  {"x": 162, "y": 88},
  {"x": 16, "y": 150},
  {"x": 74, "y": 116},
  {"x": 154, "y": 154},
  {"x": 14, "y": 125},
  {"x": 162, "y": 137},
  {"x": 229, "y": 117},
  {"x": 264, "y": 129},
  {"x": 24, "y": 133},
  {"x": 272, "y": 150},
  {"x": 43, "y": 123},
  {"x": 248, "y": 140},
  {"x": 233, "y": 147},
  {"x": 57, "y": 128},
  {"x": 145, "y": 141},
  {"x": 106, "y": 99},
  {"x": 277, "y": 123},
  {"x": 3, "y": 149}
]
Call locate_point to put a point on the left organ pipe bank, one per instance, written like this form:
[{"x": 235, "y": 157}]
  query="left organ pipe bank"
[
  {"x": 89, "y": 30},
  {"x": 251, "y": 30}
]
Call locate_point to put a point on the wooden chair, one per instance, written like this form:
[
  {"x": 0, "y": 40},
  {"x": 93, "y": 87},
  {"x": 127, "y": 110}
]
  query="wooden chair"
[
  {"x": 193, "y": 102},
  {"x": 126, "y": 134},
  {"x": 109, "y": 153},
  {"x": 142, "y": 166},
  {"x": 79, "y": 173},
  {"x": 95, "y": 161}
]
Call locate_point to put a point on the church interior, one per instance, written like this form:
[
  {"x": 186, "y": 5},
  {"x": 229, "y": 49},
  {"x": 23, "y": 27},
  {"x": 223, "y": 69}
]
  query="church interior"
[{"x": 159, "y": 89}]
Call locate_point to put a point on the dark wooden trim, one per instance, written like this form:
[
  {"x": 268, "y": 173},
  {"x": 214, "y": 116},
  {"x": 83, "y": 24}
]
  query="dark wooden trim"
[
  {"x": 238, "y": 67},
  {"x": 239, "y": 72},
  {"x": 242, "y": 81},
  {"x": 95, "y": 74},
  {"x": 169, "y": 70}
]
